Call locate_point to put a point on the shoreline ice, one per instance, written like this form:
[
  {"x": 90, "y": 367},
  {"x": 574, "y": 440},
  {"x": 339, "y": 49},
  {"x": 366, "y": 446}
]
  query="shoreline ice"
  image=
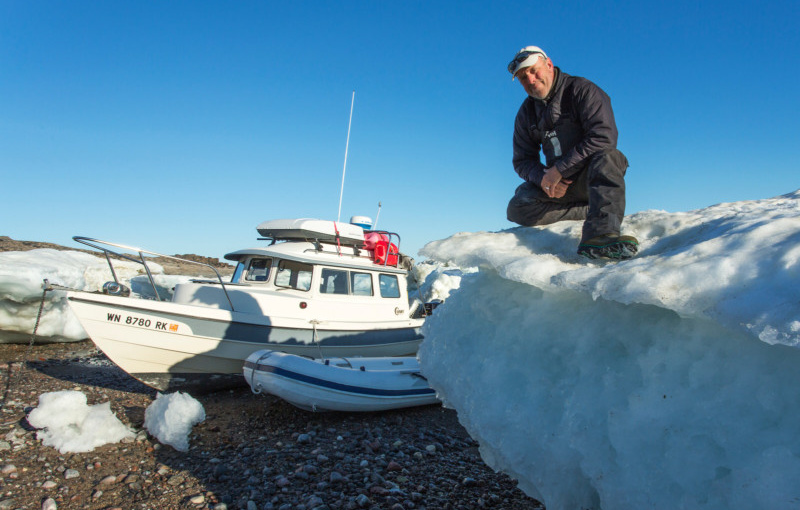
[{"x": 666, "y": 381}]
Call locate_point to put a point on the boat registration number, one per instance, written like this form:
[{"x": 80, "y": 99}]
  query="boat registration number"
[{"x": 142, "y": 322}]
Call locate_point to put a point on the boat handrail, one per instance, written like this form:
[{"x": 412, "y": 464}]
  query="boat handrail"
[
  {"x": 389, "y": 243},
  {"x": 389, "y": 246},
  {"x": 88, "y": 241}
]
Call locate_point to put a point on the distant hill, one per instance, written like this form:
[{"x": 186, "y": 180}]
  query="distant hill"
[{"x": 170, "y": 266}]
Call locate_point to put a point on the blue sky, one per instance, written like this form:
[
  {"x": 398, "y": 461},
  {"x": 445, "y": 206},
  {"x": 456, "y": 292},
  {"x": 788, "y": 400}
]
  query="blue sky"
[{"x": 179, "y": 126}]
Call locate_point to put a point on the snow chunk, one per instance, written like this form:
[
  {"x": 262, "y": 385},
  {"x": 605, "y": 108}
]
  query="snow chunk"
[
  {"x": 170, "y": 418},
  {"x": 70, "y": 425}
]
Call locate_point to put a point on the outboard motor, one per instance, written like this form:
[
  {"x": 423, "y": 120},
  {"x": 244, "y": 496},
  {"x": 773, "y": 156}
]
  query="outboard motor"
[{"x": 430, "y": 306}]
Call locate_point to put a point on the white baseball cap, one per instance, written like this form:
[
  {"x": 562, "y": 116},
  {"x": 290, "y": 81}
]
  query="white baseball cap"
[{"x": 525, "y": 57}]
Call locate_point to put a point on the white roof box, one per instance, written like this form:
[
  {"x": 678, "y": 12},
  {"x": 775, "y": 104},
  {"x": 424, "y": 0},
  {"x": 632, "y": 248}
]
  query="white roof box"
[{"x": 309, "y": 229}]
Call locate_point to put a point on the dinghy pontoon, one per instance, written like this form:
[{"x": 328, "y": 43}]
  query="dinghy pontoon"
[{"x": 339, "y": 384}]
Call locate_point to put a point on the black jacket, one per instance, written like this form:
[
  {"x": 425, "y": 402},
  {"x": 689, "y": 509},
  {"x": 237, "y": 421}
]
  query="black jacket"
[{"x": 574, "y": 122}]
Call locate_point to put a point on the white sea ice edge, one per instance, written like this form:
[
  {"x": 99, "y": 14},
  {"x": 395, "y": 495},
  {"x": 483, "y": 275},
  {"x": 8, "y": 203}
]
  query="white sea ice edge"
[
  {"x": 736, "y": 264},
  {"x": 667, "y": 381}
]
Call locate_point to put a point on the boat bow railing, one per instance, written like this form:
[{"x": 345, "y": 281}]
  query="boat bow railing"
[{"x": 94, "y": 243}]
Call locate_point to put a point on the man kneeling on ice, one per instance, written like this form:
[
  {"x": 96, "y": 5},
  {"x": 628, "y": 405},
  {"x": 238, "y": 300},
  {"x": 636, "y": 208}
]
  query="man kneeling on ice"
[{"x": 570, "y": 120}]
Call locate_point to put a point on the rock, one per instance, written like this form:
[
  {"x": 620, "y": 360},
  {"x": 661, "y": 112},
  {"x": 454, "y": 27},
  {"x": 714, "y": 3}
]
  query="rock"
[
  {"x": 49, "y": 484},
  {"x": 197, "y": 499},
  {"x": 175, "y": 480},
  {"x": 363, "y": 501},
  {"x": 49, "y": 504},
  {"x": 109, "y": 480},
  {"x": 69, "y": 474},
  {"x": 378, "y": 490},
  {"x": 393, "y": 466},
  {"x": 314, "y": 502},
  {"x": 8, "y": 469}
]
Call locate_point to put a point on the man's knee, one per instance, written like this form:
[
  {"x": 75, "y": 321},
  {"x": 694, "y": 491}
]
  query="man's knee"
[
  {"x": 531, "y": 213},
  {"x": 525, "y": 206},
  {"x": 524, "y": 214},
  {"x": 608, "y": 162}
]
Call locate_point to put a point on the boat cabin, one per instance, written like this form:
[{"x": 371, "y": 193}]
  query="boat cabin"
[{"x": 313, "y": 266}]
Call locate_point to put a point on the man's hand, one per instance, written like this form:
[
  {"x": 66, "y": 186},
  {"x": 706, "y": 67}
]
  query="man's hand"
[{"x": 553, "y": 185}]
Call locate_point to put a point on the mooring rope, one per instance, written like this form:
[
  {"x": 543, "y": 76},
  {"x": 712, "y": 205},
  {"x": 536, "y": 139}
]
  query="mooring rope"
[{"x": 46, "y": 287}]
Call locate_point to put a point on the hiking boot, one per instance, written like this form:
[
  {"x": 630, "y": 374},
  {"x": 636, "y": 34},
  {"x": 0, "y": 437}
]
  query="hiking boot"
[{"x": 609, "y": 246}]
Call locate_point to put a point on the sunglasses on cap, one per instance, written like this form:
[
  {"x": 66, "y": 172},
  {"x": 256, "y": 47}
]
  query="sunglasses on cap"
[{"x": 520, "y": 58}]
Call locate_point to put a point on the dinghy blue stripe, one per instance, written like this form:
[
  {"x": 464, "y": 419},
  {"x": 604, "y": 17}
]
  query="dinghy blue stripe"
[{"x": 343, "y": 387}]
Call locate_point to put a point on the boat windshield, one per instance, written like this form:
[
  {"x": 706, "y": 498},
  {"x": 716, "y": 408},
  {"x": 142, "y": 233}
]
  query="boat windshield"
[
  {"x": 258, "y": 270},
  {"x": 237, "y": 273}
]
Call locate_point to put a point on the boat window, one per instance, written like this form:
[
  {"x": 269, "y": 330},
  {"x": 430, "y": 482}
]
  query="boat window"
[
  {"x": 258, "y": 270},
  {"x": 389, "y": 286},
  {"x": 237, "y": 273},
  {"x": 333, "y": 281},
  {"x": 361, "y": 283},
  {"x": 294, "y": 275}
]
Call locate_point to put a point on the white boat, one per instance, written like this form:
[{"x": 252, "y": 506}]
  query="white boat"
[
  {"x": 339, "y": 384},
  {"x": 317, "y": 289}
]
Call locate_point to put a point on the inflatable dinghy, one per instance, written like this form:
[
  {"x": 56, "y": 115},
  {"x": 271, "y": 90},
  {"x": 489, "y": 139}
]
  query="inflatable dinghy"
[{"x": 339, "y": 384}]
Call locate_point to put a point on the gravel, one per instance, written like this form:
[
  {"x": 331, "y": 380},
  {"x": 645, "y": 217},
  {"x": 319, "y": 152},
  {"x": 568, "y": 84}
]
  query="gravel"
[{"x": 253, "y": 452}]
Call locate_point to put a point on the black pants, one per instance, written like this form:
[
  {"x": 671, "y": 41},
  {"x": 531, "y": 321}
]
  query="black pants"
[{"x": 596, "y": 195}]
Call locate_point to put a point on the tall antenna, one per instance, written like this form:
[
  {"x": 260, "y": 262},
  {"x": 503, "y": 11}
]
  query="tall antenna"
[
  {"x": 375, "y": 225},
  {"x": 344, "y": 168}
]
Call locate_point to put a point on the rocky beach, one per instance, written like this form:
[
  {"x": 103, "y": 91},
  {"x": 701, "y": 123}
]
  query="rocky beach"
[{"x": 251, "y": 452}]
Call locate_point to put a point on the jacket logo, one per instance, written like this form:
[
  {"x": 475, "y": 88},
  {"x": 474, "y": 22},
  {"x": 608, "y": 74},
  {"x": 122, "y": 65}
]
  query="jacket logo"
[{"x": 551, "y": 137}]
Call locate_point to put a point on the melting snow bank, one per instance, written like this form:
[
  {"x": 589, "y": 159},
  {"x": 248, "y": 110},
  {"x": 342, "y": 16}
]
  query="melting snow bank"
[
  {"x": 666, "y": 381},
  {"x": 21, "y": 277}
]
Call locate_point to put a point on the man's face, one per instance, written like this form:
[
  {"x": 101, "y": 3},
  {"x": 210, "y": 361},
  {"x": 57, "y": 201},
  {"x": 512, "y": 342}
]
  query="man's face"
[{"x": 537, "y": 80}]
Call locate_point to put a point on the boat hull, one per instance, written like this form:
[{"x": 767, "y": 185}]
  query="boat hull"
[
  {"x": 171, "y": 346},
  {"x": 339, "y": 384}
]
